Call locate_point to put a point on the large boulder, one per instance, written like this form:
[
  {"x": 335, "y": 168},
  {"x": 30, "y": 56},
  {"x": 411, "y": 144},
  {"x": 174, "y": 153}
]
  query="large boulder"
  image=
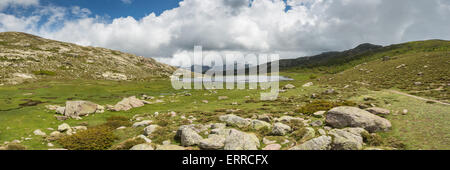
[
  {"x": 341, "y": 117},
  {"x": 128, "y": 103},
  {"x": 75, "y": 109},
  {"x": 319, "y": 143},
  {"x": 189, "y": 137},
  {"x": 213, "y": 142},
  {"x": 343, "y": 140},
  {"x": 234, "y": 120},
  {"x": 237, "y": 140}
]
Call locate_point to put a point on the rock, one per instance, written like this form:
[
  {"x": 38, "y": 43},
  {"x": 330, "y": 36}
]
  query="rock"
[
  {"x": 319, "y": 143},
  {"x": 356, "y": 131},
  {"x": 213, "y": 142},
  {"x": 223, "y": 97},
  {"x": 319, "y": 114},
  {"x": 114, "y": 76},
  {"x": 405, "y": 111},
  {"x": 309, "y": 134},
  {"x": 128, "y": 103},
  {"x": 167, "y": 142},
  {"x": 343, "y": 140},
  {"x": 198, "y": 128},
  {"x": 170, "y": 147},
  {"x": 234, "y": 120},
  {"x": 268, "y": 142},
  {"x": 60, "y": 110},
  {"x": 64, "y": 127},
  {"x": 330, "y": 91},
  {"x": 78, "y": 128},
  {"x": 322, "y": 132},
  {"x": 54, "y": 136},
  {"x": 142, "y": 123},
  {"x": 289, "y": 86},
  {"x": 50, "y": 145},
  {"x": 265, "y": 118},
  {"x": 205, "y": 101},
  {"x": 61, "y": 118},
  {"x": 100, "y": 109},
  {"x": 400, "y": 66},
  {"x": 258, "y": 124},
  {"x": 142, "y": 147},
  {"x": 189, "y": 137},
  {"x": 122, "y": 127},
  {"x": 147, "y": 140},
  {"x": 287, "y": 119},
  {"x": 280, "y": 129},
  {"x": 344, "y": 116},
  {"x": 378, "y": 111},
  {"x": 52, "y": 107},
  {"x": 38, "y": 132},
  {"x": 76, "y": 109},
  {"x": 237, "y": 140},
  {"x": 309, "y": 84},
  {"x": 218, "y": 126},
  {"x": 150, "y": 129},
  {"x": 272, "y": 147},
  {"x": 316, "y": 123}
]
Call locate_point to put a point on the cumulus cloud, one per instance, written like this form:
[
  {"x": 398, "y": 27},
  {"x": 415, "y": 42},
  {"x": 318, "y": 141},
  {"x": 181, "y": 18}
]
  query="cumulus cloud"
[
  {"x": 17, "y": 3},
  {"x": 293, "y": 28}
]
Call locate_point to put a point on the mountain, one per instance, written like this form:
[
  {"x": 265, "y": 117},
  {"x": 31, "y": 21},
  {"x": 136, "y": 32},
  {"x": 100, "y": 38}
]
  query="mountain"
[{"x": 26, "y": 57}]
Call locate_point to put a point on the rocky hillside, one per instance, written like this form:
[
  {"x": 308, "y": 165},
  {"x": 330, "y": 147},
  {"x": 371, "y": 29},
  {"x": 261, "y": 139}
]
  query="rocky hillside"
[{"x": 24, "y": 57}]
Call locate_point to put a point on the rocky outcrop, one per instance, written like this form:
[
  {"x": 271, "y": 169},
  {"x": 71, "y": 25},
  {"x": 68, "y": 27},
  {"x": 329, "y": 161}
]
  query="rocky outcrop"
[
  {"x": 342, "y": 117},
  {"x": 75, "y": 109}
]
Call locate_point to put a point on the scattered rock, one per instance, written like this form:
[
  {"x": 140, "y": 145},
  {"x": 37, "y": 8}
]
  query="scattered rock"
[
  {"x": 309, "y": 84},
  {"x": 38, "y": 132},
  {"x": 213, "y": 142},
  {"x": 61, "y": 118},
  {"x": 128, "y": 103},
  {"x": 319, "y": 114},
  {"x": 150, "y": 129},
  {"x": 60, "y": 110},
  {"x": 258, "y": 124},
  {"x": 343, "y": 140},
  {"x": 287, "y": 119},
  {"x": 218, "y": 125},
  {"x": 289, "y": 86},
  {"x": 322, "y": 132},
  {"x": 280, "y": 129},
  {"x": 400, "y": 66},
  {"x": 189, "y": 137},
  {"x": 265, "y": 118},
  {"x": 234, "y": 120},
  {"x": 316, "y": 123},
  {"x": 319, "y": 143},
  {"x": 147, "y": 140},
  {"x": 142, "y": 147},
  {"x": 64, "y": 127},
  {"x": 272, "y": 147},
  {"x": 268, "y": 142},
  {"x": 223, "y": 97},
  {"x": 344, "y": 116},
  {"x": 170, "y": 147},
  {"x": 142, "y": 123},
  {"x": 75, "y": 109},
  {"x": 237, "y": 140},
  {"x": 378, "y": 111}
]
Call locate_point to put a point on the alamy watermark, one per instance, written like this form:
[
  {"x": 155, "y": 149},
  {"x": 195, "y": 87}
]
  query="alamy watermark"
[{"x": 250, "y": 71}]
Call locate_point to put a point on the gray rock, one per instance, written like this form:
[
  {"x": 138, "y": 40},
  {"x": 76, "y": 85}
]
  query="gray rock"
[
  {"x": 272, "y": 147},
  {"x": 341, "y": 117},
  {"x": 198, "y": 128},
  {"x": 213, "y": 142},
  {"x": 189, "y": 137},
  {"x": 150, "y": 129},
  {"x": 309, "y": 134},
  {"x": 64, "y": 127},
  {"x": 289, "y": 86},
  {"x": 234, "y": 120},
  {"x": 128, "y": 103},
  {"x": 218, "y": 126},
  {"x": 265, "y": 118},
  {"x": 258, "y": 124},
  {"x": 237, "y": 140},
  {"x": 287, "y": 119},
  {"x": 60, "y": 110},
  {"x": 38, "y": 132},
  {"x": 378, "y": 111},
  {"x": 319, "y": 114},
  {"x": 75, "y": 109},
  {"x": 319, "y": 143},
  {"x": 142, "y": 123},
  {"x": 142, "y": 147},
  {"x": 309, "y": 84},
  {"x": 169, "y": 147},
  {"x": 316, "y": 123},
  {"x": 147, "y": 140},
  {"x": 343, "y": 140},
  {"x": 280, "y": 129}
]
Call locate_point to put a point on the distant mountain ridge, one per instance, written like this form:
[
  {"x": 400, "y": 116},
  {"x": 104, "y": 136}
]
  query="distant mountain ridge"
[{"x": 25, "y": 57}]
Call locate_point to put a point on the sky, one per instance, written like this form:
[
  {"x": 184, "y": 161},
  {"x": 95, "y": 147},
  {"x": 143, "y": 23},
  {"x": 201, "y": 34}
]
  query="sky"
[{"x": 168, "y": 30}]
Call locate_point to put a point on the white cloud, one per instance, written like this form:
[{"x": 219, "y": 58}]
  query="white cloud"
[
  {"x": 308, "y": 27},
  {"x": 22, "y": 3}
]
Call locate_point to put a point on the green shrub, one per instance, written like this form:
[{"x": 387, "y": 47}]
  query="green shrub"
[
  {"x": 117, "y": 121},
  {"x": 95, "y": 138},
  {"x": 44, "y": 73},
  {"x": 323, "y": 105},
  {"x": 372, "y": 139}
]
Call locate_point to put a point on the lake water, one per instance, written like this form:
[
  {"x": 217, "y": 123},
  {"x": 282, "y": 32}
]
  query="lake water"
[{"x": 240, "y": 79}]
